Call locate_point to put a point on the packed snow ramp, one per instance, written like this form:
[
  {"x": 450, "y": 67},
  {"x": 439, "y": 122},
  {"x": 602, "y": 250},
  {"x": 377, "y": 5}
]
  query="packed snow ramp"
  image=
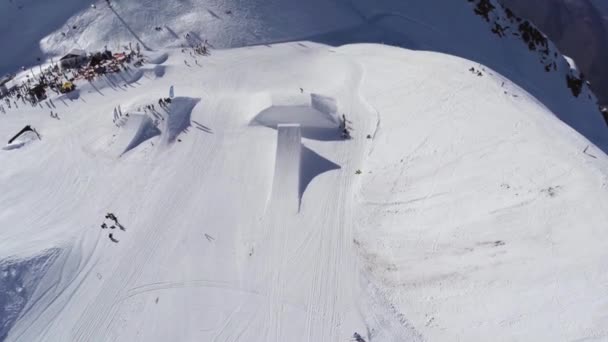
[{"x": 286, "y": 183}]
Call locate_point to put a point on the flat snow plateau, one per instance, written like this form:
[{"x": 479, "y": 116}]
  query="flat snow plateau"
[{"x": 460, "y": 210}]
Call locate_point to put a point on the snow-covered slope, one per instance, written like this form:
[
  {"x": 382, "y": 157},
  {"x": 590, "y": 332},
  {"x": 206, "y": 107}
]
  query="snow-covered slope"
[
  {"x": 420, "y": 25},
  {"x": 462, "y": 208}
]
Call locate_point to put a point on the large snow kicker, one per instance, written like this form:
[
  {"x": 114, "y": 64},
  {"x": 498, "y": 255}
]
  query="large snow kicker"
[
  {"x": 286, "y": 184},
  {"x": 145, "y": 130}
]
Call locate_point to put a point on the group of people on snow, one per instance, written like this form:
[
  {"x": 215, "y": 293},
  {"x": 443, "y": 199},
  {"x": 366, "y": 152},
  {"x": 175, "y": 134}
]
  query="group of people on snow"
[{"x": 114, "y": 225}]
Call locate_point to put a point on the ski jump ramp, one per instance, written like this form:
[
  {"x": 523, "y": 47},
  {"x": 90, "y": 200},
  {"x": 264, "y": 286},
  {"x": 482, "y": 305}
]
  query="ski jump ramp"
[{"x": 286, "y": 182}]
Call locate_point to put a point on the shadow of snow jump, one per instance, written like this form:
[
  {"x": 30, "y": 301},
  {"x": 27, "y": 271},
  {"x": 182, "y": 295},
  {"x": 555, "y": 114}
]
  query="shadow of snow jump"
[
  {"x": 312, "y": 166},
  {"x": 179, "y": 114}
]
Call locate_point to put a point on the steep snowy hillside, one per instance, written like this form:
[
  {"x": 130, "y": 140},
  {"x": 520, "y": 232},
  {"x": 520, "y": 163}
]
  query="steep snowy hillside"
[
  {"x": 205, "y": 190},
  {"x": 578, "y": 28}
]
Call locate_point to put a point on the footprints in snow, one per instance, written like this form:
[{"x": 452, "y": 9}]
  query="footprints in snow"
[
  {"x": 480, "y": 73},
  {"x": 551, "y": 191}
]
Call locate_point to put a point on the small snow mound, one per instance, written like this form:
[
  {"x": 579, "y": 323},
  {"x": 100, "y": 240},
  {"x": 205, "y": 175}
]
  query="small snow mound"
[
  {"x": 159, "y": 71},
  {"x": 13, "y": 146},
  {"x": 157, "y": 58},
  {"x": 23, "y": 140},
  {"x": 129, "y": 77}
]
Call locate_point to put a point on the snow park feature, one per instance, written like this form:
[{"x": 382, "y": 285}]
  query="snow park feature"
[
  {"x": 318, "y": 119},
  {"x": 286, "y": 183},
  {"x": 144, "y": 129},
  {"x": 206, "y": 192},
  {"x": 23, "y": 137},
  {"x": 179, "y": 113}
]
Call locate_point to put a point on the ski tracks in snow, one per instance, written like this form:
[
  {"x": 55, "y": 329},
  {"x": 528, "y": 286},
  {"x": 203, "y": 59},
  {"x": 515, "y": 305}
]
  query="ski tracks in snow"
[{"x": 101, "y": 313}]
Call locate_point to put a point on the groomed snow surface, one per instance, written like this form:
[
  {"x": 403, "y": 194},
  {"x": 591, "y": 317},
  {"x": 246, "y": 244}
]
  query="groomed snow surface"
[
  {"x": 238, "y": 230},
  {"x": 461, "y": 209}
]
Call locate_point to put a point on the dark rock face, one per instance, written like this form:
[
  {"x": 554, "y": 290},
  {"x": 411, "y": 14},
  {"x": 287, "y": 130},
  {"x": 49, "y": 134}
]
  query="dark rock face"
[{"x": 580, "y": 30}]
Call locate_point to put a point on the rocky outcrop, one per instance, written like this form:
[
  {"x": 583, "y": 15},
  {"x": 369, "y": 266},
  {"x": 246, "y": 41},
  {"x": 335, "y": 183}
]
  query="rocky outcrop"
[{"x": 578, "y": 28}]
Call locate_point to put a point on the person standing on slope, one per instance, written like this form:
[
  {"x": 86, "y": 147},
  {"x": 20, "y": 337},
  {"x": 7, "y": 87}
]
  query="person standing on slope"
[{"x": 344, "y": 128}]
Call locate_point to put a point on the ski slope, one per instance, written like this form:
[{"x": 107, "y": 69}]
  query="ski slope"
[
  {"x": 413, "y": 24},
  {"x": 464, "y": 207}
]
